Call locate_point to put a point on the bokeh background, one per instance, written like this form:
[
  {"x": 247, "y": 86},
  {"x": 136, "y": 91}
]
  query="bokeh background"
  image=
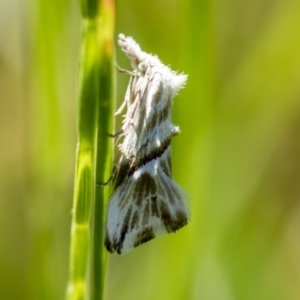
[{"x": 237, "y": 156}]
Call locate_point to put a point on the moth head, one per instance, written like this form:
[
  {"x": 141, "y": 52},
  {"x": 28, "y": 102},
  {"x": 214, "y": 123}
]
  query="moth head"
[{"x": 132, "y": 50}]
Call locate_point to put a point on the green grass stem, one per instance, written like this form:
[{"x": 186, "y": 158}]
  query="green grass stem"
[
  {"x": 93, "y": 152},
  {"x": 104, "y": 147}
]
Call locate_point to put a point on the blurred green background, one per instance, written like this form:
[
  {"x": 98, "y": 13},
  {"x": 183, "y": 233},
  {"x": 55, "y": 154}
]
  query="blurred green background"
[{"x": 237, "y": 156}]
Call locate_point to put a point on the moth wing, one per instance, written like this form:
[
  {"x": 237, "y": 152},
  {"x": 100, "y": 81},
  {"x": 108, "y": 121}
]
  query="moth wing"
[{"x": 144, "y": 207}]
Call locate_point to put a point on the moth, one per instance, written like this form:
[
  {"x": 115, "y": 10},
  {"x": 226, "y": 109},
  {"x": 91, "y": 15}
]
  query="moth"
[{"x": 146, "y": 202}]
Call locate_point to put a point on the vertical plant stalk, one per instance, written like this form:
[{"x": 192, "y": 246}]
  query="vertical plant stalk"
[
  {"x": 85, "y": 165},
  {"x": 94, "y": 124},
  {"x": 104, "y": 147}
]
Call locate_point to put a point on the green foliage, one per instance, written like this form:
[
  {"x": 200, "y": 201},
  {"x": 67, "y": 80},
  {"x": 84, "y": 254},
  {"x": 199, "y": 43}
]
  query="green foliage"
[{"x": 96, "y": 100}]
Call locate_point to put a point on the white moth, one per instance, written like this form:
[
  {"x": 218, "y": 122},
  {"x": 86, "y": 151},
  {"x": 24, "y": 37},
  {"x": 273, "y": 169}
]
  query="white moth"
[{"x": 146, "y": 202}]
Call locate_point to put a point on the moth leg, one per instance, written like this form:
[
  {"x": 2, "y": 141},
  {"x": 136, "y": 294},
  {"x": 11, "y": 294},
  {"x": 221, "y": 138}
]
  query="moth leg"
[
  {"x": 125, "y": 102},
  {"x": 128, "y": 96},
  {"x": 121, "y": 70},
  {"x": 121, "y": 108},
  {"x": 110, "y": 179},
  {"x": 117, "y": 134}
]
